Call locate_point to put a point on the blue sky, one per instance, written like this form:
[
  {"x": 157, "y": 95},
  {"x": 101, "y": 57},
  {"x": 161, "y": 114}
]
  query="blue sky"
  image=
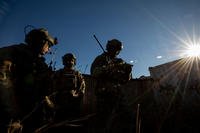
[{"x": 153, "y": 32}]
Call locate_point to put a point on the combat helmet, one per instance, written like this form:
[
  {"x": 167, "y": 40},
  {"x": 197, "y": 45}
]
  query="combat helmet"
[
  {"x": 38, "y": 36},
  {"x": 114, "y": 45},
  {"x": 68, "y": 57}
]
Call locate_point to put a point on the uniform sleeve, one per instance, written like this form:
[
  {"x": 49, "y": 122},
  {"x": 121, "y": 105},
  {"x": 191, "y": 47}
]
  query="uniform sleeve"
[
  {"x": 98, "y": 67},
  {"x": 82, "y": 85},
  {"x": 6, "y": 61},
  {"x": 7, "y": 98},
  {"x": 6, "y": 53}
]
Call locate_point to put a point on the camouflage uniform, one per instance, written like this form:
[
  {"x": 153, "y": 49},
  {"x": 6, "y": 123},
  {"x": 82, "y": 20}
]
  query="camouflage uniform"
[
  {"x": 110, "y": 72},
  {"x": 24, "y": 77},
  {"x": 69, "y": 87}
]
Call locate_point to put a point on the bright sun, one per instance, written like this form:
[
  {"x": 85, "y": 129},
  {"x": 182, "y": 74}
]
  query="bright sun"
[{"x": 193, "y": 50}]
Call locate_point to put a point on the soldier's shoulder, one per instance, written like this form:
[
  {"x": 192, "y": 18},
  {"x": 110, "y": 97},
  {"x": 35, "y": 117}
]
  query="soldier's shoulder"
[
  {"x": 21, "y": 47},
  {"x": 10, "y": 50},
  {"x": 77, "y": 72},
  {"x": 10, "y": 46},
  {"x": 59, "y": 71},
  {"x": 100, "y": 57},
  {"x": 15, "y": 48}
]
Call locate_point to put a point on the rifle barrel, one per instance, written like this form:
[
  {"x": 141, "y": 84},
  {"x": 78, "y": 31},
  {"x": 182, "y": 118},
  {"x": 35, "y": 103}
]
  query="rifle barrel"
[{"x": 99, "y": 43}]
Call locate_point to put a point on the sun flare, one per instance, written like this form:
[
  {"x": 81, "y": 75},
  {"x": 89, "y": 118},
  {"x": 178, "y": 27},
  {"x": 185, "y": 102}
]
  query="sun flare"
[{"x": 193, "y": 50}]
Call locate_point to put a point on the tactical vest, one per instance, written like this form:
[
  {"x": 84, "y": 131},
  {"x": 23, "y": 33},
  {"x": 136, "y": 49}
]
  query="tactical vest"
[{"x": 67, "y": 80}]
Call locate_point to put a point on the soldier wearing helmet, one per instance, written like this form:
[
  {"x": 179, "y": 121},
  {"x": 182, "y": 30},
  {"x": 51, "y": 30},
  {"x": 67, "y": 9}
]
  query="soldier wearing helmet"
[
  {"x": 40, "y": 40},
  {"x": 69, "y": 60},
  {"x": 114, "y": 45},
  {"x": 24, "y": 77},
  {"x": 108, "y": 62},
  {"x": 70, "y": 87},
  {"x": 111, "y": 73}
]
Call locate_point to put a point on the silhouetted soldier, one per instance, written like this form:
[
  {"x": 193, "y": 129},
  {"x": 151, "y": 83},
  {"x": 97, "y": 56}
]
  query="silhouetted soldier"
[
  {"x": 24, "y": 76},
  {"x": 69, "y": 87},
  {"x": 111, "y": 72}
]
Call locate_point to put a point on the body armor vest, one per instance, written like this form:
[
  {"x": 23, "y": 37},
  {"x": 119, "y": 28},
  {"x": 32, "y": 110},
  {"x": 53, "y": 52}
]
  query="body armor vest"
[{"x": 68, "y": 81}]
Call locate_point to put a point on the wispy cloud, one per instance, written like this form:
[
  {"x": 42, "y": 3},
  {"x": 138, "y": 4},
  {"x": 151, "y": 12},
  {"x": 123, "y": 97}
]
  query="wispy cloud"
[{"x": 159, "y": 57}]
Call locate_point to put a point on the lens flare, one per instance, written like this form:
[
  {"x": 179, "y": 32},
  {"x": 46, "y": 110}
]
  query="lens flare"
[{"x": 193, "y": 51}]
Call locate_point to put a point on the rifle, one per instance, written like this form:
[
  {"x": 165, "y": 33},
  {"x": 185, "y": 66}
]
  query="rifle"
[
  {"x": 99, "y": 43},
  {"x": 52, "y": 62}
]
